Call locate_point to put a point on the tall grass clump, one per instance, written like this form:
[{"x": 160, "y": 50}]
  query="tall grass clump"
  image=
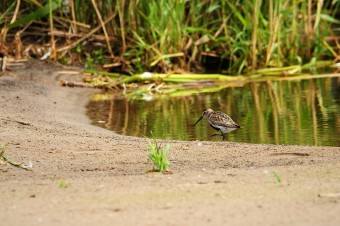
[
  {"x": 159, "y": 156},
  {"x": 237, "y": 36}
]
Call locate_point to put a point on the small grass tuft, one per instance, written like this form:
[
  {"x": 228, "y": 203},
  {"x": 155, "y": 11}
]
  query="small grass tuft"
[
  {"x": 277, "y": 177},
  {"x": 64, "y": 184},
  {"x": 159, "y": 156}
]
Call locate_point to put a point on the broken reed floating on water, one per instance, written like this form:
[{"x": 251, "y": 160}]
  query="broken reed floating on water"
[
  {"x": 178, "y": 77},
  {"x": 291, "y": 71},
  {"x": 188, "y": 84}
]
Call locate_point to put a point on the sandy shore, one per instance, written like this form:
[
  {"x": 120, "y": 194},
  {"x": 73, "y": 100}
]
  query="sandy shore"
[{"x": 85, "y": 175}]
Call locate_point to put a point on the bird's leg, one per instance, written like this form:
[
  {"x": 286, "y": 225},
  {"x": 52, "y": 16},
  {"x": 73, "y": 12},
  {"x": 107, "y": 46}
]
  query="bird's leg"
[
  {"x": 215, "y": 134},
  {"x": 223, "y": 135}
]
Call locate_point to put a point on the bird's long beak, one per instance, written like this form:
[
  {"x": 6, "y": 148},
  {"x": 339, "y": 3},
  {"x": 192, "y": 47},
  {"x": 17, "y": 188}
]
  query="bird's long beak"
[{"x": 198, "y": 120}]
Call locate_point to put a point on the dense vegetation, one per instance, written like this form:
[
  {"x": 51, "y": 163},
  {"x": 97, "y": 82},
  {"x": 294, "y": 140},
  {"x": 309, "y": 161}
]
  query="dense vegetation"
[{"x": 236, "y": 36}]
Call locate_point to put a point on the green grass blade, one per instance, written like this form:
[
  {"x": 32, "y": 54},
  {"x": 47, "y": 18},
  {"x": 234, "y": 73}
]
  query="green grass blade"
[
  {"x": 237, "y": 14},
  {"x": 329, "y": 18},
  {"x": 35, "y": 15}
]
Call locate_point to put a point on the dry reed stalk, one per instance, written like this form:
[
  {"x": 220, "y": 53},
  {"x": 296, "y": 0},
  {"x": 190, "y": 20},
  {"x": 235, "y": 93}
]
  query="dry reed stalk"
[
  {"x": 72, "y": 35},
  {"x": 73, "y": 15},
  {"x": 18, "y": 43},
  {"x": 103, "y": 27},
  {"x": 53, "y": 48},
  {"x": 122, "y": 29},
  {"x": 37, "y": 3},
  {"x": 74, "y": 44},
  {"x": 318, "y": 12},
  {"x": 73, "y": 22},
  {"x": 309, "y": 28},
  {"x": 294, "y": 35},
  {"x": 257, "y": 5},
  {"x": 273, "y": 25},
  {"x": 4, "y": 30},
  {"x": 336, "y": 55},
  {"x": 112, "y": 65}
]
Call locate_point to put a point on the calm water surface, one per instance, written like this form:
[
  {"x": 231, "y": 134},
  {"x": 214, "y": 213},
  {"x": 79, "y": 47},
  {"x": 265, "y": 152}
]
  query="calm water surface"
[{"x": 306, "y": 112}]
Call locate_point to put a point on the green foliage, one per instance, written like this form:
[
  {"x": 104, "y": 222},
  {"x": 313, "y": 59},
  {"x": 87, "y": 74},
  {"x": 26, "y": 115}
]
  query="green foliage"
[
  {"x": 159, "y": 156},
  {"x": 97, "y": 57},
  {"x": 160, "y": 35}
]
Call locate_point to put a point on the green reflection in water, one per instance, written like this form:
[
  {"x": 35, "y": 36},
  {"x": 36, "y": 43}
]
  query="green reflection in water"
[{"x": 277, "y": 112}]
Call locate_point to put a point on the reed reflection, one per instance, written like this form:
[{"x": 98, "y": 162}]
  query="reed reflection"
[{"x": 278, "y": 112}]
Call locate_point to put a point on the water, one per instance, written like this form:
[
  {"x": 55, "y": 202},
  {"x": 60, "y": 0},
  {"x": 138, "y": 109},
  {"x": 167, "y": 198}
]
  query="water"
[{"x": 272, "y": 112}]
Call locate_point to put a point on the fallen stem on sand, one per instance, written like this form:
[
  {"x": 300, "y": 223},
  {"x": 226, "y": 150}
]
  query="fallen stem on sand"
[{"x": 13, "y": 163}]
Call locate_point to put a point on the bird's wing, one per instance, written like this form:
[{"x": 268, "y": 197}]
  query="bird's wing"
[
  {"x": 223, "y": 119},
  {"x": 223, "y": 115}
]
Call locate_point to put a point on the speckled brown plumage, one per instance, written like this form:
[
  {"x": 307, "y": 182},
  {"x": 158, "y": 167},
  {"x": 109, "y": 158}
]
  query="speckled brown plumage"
[{"x": 219, "y": 121}]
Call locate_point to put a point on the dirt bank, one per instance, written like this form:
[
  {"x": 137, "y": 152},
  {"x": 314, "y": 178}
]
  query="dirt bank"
[{"x": 84, "y": 175}]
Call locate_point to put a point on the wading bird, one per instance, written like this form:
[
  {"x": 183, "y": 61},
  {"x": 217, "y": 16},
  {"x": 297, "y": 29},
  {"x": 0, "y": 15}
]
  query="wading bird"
[{"x": 219, "y": 121}]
